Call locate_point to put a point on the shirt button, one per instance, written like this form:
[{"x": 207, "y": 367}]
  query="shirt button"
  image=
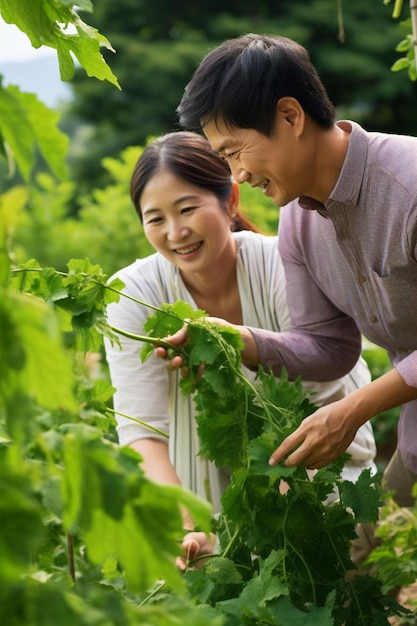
[
  {"x": 373, "y": 319},
  {"x": 363, "y": 279}
]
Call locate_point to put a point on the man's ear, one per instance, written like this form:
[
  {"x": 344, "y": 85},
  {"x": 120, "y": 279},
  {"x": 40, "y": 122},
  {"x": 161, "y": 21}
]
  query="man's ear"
[
  {"x": 233, "y": 200},
  {"x": 290, "y": 111}
]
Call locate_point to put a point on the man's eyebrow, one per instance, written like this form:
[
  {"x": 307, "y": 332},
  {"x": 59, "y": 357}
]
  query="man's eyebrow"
[{"x": 222, "y": 148}]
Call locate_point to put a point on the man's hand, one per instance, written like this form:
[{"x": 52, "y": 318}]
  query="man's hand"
[
  {"x": 323, "y": 436},
  {"x": 320, "y": 439}
]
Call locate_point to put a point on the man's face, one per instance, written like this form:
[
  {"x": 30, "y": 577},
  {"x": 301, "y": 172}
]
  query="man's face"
[{"x": 270, "y": 163}]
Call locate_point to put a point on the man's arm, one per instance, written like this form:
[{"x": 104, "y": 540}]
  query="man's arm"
[{"x": 325, "y": 435}]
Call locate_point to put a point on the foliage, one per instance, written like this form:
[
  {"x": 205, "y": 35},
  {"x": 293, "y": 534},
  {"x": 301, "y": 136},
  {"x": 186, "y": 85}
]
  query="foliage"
[
  {"x": 82, "y": 529},
  {"x": 46, "y": 23},
  {"x": 27, "y": 125},
  {"x": 106, "y": 225},
  {"x": 284, "y": 557},
  {"x": 85, "y": 538},
  {"x": 396, "y": 558},
  {"x": 85, "y": 502},
  {"x": 407, "y": 45},
  {"x": 408, "y": 60},
  {"x": 158, "y": 46}
]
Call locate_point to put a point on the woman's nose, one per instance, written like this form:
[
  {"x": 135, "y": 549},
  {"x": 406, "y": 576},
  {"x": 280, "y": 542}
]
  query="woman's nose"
[{"x": 177, "y": 230}]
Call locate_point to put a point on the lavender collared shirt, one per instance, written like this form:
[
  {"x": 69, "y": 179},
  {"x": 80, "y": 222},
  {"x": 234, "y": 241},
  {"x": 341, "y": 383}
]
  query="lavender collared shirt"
[{"x": 351, "y": 269}]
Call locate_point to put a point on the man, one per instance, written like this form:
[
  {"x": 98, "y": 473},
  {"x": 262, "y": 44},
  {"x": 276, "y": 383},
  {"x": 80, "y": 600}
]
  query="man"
[{"x": 347, "y": 236}]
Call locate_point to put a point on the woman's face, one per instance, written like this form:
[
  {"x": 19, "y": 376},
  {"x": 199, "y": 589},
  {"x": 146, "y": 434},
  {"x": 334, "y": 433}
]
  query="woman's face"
[{"x": 187, "y": 224}]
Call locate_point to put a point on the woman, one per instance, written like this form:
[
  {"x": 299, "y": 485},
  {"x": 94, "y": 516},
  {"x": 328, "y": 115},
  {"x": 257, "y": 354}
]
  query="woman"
[{"x": 209, "y": 255}]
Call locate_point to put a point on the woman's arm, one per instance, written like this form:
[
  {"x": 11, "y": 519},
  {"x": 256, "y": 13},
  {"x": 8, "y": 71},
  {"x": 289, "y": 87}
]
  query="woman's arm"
[
  {"x": 156, "y": 462},
  {"x": 158, "y": 467}
]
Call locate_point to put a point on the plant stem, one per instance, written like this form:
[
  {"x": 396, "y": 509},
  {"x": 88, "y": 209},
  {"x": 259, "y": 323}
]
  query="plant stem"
[
  {"x": 70, "y": 551},
  {"x": 156, "y": 341},
  {"x": 413, "y": 11},
  {"x": 141, "y": 302},
  {"x": 135, "y": 419},
  {"x": 396, "y": 12},
  {"x": 341, "y": 35},
  {"x": 96, "y": 282},
  {"x": 154, "y": 592}
]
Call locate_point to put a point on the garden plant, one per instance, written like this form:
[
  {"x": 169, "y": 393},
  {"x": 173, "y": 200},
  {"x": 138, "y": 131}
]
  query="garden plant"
[{"x": 85, "y": 537}]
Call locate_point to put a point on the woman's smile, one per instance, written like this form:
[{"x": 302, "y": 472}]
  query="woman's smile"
[{"x": 186, "y": 250}]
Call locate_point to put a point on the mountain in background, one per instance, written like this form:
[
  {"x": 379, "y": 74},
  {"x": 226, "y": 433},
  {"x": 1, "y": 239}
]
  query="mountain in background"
[{"x": 39, "y": 76}]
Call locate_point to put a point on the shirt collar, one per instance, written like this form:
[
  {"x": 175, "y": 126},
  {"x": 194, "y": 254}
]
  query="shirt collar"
[{"x": 348, "y": 185}]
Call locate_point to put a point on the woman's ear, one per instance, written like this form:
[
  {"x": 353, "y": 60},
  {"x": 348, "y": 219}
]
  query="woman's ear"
[
  {"x": 290, "y": 112},
  {"x": 233, "y": 200}
]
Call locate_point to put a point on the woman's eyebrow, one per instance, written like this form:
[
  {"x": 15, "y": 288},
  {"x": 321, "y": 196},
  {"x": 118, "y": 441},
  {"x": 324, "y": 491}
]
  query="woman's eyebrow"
[{"x": 180, "y": 200}]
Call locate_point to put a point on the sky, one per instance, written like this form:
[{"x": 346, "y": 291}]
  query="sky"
[
  {"x": 17, "y": 58},
  {"x": 15, "y": 46}
]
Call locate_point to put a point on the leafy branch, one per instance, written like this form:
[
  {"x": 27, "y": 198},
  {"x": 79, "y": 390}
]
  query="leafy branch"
[
  {"x": 293, "y": 539},
  {"x": 46, "y": 23},
  {"x": 26, "y": 124},
  {"x": 408, "y": 45},
  {"x": 283, "y": 555}
]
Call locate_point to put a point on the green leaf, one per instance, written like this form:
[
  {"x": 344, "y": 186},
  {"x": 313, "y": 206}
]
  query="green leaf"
[
  {"x": 404, "y": 45},
  {"x": 32, "y": 353},
  {"x": 122, "y": 513},
  {"x": 11, "y": 203},
  {"x": 86, "y": 48},
  {"x": 21, "y": 517},
  {"x": 412, "y": 71},
  {"x": 258, "y": 592},
  {"x": 260, "y": 450},
  {"x": 400, "y": 64},
  {"x": 27, "y": 125},
  {"x": 167, "y": 321},
  {"x": 362, "y": 497},
  {"x": 45, "y": 23},
  {"x": 44, "y": 283}
]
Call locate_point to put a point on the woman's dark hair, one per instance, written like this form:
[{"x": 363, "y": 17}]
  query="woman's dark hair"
[
  {"x": 190, "y": 157},
  {"x": 241, "y": 81}
]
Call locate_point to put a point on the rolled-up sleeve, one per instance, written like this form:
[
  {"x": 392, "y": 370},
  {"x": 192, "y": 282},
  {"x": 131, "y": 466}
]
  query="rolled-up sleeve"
[{"x": 407, "y": 368}]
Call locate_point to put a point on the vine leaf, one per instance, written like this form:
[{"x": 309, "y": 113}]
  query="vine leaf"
[
  {"x": 45, "y": 22},
  {"x": 362, "y": 497}
]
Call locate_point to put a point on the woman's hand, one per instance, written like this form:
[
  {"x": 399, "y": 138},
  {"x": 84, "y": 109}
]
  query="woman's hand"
[
  {"x": 181, "y": 337},
  {"x": 194, "y": 545},
  {"x": 178, "y": 340}
]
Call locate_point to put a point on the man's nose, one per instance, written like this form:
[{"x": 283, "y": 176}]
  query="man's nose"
[{"x": 240, "y": 174}]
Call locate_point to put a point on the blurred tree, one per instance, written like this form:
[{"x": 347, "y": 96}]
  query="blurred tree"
[{"x": 158, "y": 45}]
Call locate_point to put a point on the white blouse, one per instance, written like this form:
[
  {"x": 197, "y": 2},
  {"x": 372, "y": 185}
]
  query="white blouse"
[{"x": 149, "y": 392}]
